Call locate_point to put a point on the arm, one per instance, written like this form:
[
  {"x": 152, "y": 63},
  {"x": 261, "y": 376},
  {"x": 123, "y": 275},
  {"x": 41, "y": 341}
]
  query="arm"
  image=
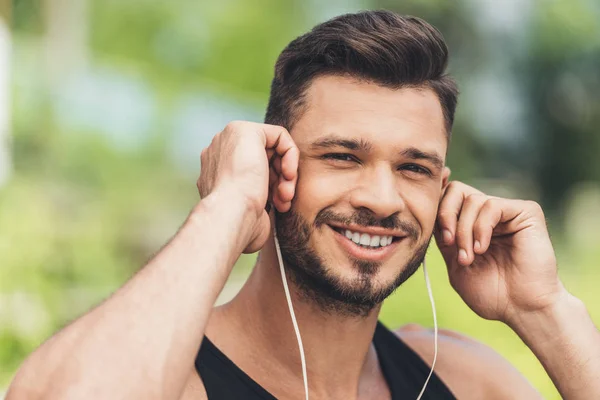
[
  {"x": 141, "y": 342},
  {"x": 567, "y": 344},
  {"x": 501, "y": 262}
]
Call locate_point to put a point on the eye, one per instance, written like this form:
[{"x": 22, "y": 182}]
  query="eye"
[
  {"x": 340, "y": 157},
  {"x": 416, "y": 169}
]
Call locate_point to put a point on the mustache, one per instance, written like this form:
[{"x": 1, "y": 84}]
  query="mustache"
[{"x": 366, "y": 218}]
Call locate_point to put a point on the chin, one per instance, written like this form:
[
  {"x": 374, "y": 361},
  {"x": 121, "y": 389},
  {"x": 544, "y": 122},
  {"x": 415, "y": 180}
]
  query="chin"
[{"x": 337, "y": 273}]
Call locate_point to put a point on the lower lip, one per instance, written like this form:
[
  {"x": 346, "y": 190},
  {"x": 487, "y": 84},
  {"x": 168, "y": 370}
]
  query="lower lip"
[{"x": 363, "y": 253}]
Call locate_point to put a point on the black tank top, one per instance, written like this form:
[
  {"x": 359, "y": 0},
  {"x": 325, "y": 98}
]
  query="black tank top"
[{"x": 404, "y": 371}]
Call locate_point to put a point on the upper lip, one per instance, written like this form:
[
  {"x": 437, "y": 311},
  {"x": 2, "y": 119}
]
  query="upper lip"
[{"x": 369, "y": 230}]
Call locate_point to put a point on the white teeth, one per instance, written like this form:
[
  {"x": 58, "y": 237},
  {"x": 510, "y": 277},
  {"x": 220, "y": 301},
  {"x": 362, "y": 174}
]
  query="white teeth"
[
  {"x": 374, "y": 241},
  {"x": 365, "y": 239}
]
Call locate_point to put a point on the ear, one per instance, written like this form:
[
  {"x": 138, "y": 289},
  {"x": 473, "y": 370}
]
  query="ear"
[{"x": 445, "y": 181}]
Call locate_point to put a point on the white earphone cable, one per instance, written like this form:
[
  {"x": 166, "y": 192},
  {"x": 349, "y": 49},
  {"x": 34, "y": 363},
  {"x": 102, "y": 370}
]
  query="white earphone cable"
[
  {"x": 435, "y": 328},
  {"x": 292, "y": 314},
  {"x": 299, "y": 338}
]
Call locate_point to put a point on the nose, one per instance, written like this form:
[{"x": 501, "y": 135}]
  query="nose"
[{"x": 378, "y": 192}]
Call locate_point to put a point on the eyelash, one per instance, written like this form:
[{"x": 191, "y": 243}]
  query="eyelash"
[
  {"x": 345, "y": 157},
  {"x": 340, "y": 157},
  {"x": 417, "y": 168}
]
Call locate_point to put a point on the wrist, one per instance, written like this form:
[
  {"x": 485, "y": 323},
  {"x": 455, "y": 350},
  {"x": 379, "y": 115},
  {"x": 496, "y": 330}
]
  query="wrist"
[
  {"x": 226, "y": 209},
  {"x": 552, "y": 322},
  {"x": 565, "y": 340}
]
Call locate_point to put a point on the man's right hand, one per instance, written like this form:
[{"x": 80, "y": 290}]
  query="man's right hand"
[
  {"x": 252, "y": 163},
  {"x": 173, "y": 295}
]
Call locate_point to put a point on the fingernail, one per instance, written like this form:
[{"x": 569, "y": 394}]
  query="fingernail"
[
  {"x": 477, "y": 246},
  {"x": 462, "y": 255},
  {"x": 447, "y": 236}
]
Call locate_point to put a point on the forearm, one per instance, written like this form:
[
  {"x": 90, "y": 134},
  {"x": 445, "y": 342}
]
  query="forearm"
[
  {"x": 567, "y": 344},
  {"x": 141, "y": 342}
]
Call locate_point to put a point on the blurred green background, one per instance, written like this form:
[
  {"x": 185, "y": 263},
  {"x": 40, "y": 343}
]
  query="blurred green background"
[{"x": 106, "y": 105}]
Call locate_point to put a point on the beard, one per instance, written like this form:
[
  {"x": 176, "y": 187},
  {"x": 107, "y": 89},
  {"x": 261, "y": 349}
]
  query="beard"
[{"x": 318, "y": 284}]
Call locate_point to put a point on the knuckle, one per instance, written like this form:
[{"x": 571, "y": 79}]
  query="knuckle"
[
  {"x": 276, "y": 126},
  {"x": 234, "y": 125},
  {"x": 446, "y": 215},
  {"x": 489, "y": 203},
  {"x": 454, "y": 185},
  {"x": 476, "y": 198},
  {"x": 215, "y": 139},
  {"x": 535, "y": 207},
  {"x": 285, "y": 131}
]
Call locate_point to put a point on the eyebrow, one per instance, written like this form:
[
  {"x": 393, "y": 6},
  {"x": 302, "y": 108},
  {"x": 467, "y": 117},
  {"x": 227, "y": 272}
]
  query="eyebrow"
[
  {"x": 416, "y": 154},
  {"x": 364, "y": 145},
  {"x": 334, "y": 141}
]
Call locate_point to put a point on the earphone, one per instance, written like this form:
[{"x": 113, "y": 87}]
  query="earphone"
[{"x": 297, "y": 330}]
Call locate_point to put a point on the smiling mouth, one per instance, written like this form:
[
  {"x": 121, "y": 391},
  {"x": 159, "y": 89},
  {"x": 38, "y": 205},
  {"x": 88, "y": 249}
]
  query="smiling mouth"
[{"x": 365, "y": 240}]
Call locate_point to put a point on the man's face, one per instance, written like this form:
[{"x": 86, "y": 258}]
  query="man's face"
[{"x": 371, "y": 170}]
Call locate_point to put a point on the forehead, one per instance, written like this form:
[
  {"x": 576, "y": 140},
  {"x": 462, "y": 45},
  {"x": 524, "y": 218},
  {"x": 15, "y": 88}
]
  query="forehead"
[{"x": 346, "y": 106}]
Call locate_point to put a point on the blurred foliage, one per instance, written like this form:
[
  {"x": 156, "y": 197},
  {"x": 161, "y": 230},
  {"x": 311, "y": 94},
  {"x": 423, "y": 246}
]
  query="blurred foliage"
[
  {"x": 82, "y": 213},
  {"x": 563, "y": 82}
]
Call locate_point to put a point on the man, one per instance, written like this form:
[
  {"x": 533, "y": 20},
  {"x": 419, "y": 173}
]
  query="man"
[{"x": 350, "y": 169}]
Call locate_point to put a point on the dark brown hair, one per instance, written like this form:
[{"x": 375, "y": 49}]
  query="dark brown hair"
[{"x": 383, "y": 47}]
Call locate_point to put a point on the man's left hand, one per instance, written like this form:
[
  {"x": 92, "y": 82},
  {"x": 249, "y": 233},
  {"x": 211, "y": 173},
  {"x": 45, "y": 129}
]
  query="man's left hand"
[{"x": 498, "y": 252}]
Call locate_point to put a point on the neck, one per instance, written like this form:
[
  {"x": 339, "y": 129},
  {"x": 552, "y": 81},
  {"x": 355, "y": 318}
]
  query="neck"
[{"x": 339, "y": 353}]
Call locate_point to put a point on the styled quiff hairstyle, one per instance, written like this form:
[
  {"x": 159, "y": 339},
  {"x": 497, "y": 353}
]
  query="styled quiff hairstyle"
[{"x": 383, "y": 47}]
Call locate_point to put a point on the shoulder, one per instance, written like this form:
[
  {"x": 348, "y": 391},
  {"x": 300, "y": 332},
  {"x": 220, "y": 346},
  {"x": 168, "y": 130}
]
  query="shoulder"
[{"x": 468, "y": 367}]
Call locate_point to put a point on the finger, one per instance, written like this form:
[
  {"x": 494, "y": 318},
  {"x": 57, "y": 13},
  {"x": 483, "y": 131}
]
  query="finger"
[
  {"x": 279, "y": 205},
  {"x": 511, "y": 209},
  {"x": 449, "y": 209},
  {"x": 282, "y": 198},
  {"x": 517, "y": 215},
  {"x": 285, "y": 188},
  {"x": 289, "y": 164},
  {"x": 279, "y": 139},
  {"x": 464, "y": 229},
  {"x": 447, "y": 251},
  {"x": 489, "y": 217},
  {"x": 285, "y": 193}
]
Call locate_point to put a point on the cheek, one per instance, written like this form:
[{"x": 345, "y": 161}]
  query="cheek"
[
  {"x": 423, "y": 205},
  {"x": 316, "y": 190}
]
